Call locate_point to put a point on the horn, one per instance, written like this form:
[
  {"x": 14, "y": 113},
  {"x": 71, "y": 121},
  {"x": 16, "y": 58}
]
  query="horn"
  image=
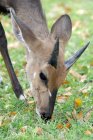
[
  {"x": 54, "y": 55},
  {"x": 75, "y": 57}
]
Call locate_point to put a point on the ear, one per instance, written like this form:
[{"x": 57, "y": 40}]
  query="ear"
[
  {"x": 62, "y": 28},
  {"x": 24, "y": 33}
]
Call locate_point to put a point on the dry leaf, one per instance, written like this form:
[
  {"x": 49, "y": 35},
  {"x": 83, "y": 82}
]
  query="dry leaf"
[
  {"x": 68, "y": 94},
  {"x": 78, "y": 76},
  {"x": 68, "y": 125},
  {"x": 14, "y": 44},
  {"x": 61, "y": 99},
  {"x": 28, "y": 93},
  {"x": 23, "y": 129},
  {"x": 79, "y": 116},
  {"x": 85, "y": 90},
  {"x": 39, "y": 130},
  {"x": 83, "y": 78},
  {"x": 59, "y": 126},
  {"x": 88, "y": 115},
  {"x": 78, "y": 102},
  {"x": 88, "y": 132},
  {"x": 65, "y": 82},
  {"x": 12, "y": 113},
  {"x": 31, "y": 102},
  {"x": 74, "y": 114},
  {"x": 69, "y": 118},
  {"x": 68, "y": 89},
  {"x": 76, "y": 25}
]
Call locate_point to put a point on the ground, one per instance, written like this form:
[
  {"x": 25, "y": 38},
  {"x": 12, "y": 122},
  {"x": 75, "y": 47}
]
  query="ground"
[{"x": 73, "y": 113}]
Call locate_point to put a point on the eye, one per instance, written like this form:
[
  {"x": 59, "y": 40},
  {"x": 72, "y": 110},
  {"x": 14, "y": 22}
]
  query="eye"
[{"x": 43, "y": 77}]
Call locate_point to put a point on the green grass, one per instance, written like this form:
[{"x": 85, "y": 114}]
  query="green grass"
[{"x": 15, "y": 114}]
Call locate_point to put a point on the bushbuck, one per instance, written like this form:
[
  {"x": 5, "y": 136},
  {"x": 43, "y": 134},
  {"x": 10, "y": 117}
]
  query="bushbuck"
[{"x": 46, "y": 68}]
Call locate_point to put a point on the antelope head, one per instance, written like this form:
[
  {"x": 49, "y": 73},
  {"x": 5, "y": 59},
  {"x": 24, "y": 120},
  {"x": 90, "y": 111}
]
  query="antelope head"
[{"x": 46, "y": 68}]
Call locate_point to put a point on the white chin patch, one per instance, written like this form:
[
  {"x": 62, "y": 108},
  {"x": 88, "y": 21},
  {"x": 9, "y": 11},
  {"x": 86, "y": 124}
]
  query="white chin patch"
[
  {"x": 21, "y": 97},
  {"x": 37, "y": 111}
]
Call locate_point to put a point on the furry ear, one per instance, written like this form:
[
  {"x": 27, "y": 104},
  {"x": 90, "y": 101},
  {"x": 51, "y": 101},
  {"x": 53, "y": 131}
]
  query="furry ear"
[
  {"x": 62, "y": 28},
  {"x": 24, "y": 33},
  {"x": 16, "y": 28}
]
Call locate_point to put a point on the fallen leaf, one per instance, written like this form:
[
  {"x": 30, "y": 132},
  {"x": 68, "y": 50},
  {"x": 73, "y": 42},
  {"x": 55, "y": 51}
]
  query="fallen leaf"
[
  {"x": 68, "y": 94},
  {"x": 88, "y": 132},
  {"x": 61, "y": 99},
  {"x": 74, "y": 114},
  {"x": 78, "y": 102},
  {"x": 23, "y": 129},
  {"x": 31, "y": 102},
  {"x": 68, "y": 89},
  {"x": 68, "y": 116},
  {"x": 68, "y": 125},
  {"x": 59, "y": 126},
  {"x": 79, "y": 116},
  {"x": 83, "y": 78},
  {"x": 75, "y": 74},
  {"x": 85, "y": 89},
  {"x": 76, "y": 25},
  {"x": 39, "y": 130},
  {"x": 28, "y": 93},
  {"x": 88, "y": 115},
  {"x": 65, "y": 82},
  {"x": 5, "y": 122},
  {"x": 14, "y": 44},
  {"x": 78, "y": 76},
  {"x": 12, "y": 113}
]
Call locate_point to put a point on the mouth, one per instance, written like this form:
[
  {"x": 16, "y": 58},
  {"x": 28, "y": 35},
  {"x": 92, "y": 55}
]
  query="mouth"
[
  {"x": 44, "y": 116},
  {"x": 47, "y": 115}
]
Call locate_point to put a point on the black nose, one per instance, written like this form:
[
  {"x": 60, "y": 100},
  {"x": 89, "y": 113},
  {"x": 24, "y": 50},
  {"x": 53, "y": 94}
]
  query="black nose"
[{"x": 45, "y": 116}]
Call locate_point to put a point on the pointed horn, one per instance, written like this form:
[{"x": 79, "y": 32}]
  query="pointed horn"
[
  {"x": 54, "y": 55},
  {"x": 75, "y": 57}
]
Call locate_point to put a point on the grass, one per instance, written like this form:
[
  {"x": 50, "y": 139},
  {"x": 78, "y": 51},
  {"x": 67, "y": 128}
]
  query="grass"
[{"x": 20, "y": 122}]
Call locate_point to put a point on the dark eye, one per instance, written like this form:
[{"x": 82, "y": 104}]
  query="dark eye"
[{"x": 43, "y": 77}]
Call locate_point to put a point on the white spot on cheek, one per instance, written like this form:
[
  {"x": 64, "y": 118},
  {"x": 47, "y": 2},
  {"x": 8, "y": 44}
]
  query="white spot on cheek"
[
  {"x": 22, "y": 97},
  {"x": 37, "y": 111},
  {"x": 49, "y": 93},
  {"x": 34, "y": 74}
]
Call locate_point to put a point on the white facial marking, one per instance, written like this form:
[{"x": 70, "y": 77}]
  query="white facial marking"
[
  {"x": 22, "y": 97},
  {"x": 49, "y": 93},
  {"x": 34, "y": 74},
  {"x": 37, "y": 111}
]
